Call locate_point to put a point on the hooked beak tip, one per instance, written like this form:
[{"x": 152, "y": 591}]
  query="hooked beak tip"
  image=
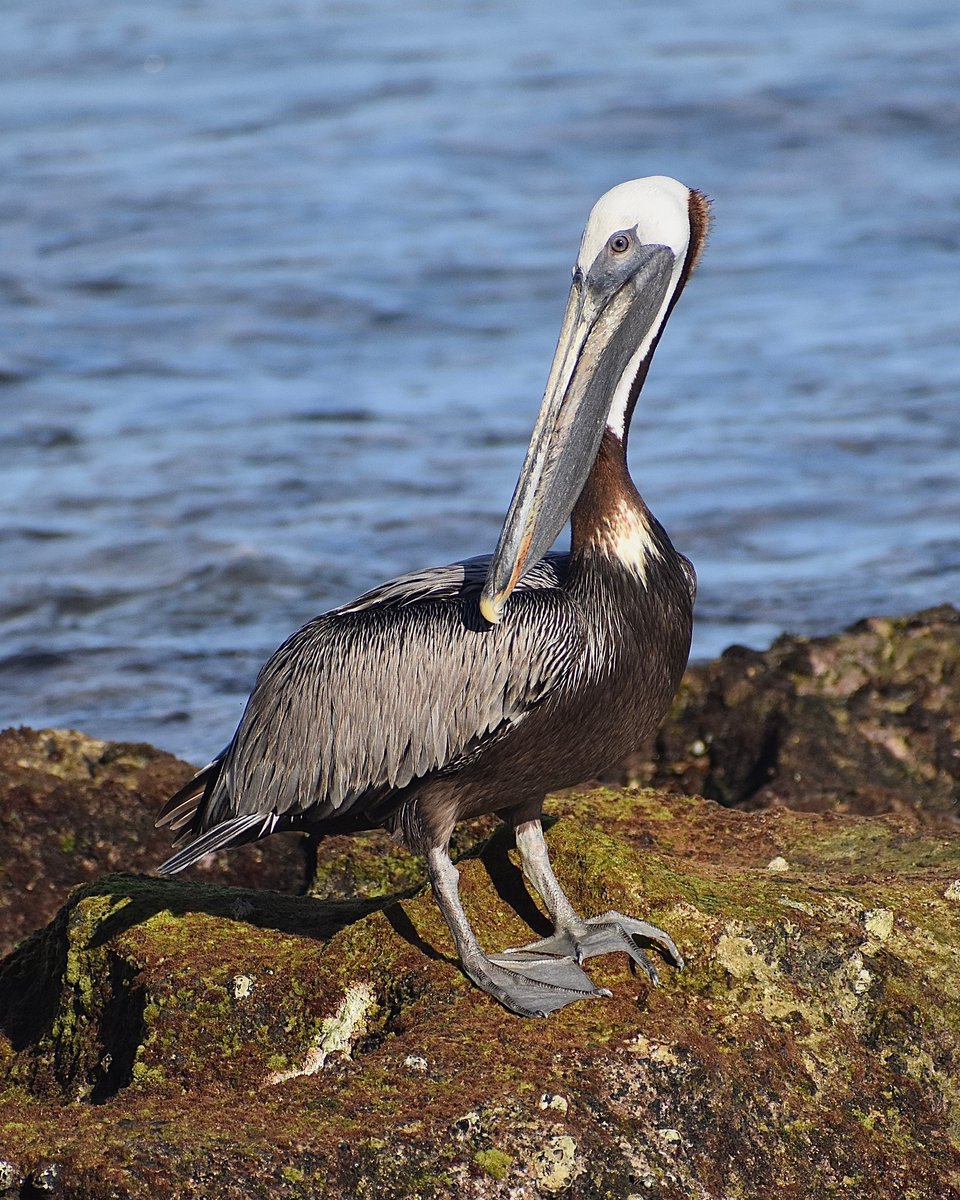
[{"x": 491, "y": 608}]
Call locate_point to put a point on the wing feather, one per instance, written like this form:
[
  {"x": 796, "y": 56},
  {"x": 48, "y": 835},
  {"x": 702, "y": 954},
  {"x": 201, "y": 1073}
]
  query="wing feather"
[{"x": 405, "y": 681}]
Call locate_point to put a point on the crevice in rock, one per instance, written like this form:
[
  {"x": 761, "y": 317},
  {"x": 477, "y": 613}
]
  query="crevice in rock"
[
  {"x": 763, "y": 769},
  {"x": 29, "y": 995},
  {"x": 122, "y": 1029},
  {"x": 739, "y": 770}
]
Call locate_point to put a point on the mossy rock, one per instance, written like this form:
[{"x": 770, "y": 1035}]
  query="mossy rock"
[
  {"x": 866, "y": 721},
  {"x": 181, "y": 1039},
  {"x": 73, "y": 807}
]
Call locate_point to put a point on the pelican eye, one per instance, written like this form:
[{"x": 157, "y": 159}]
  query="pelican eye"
[{"x": 619, "y": 243}]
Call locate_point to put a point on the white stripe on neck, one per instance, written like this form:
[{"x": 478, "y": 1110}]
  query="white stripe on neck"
[
  {"x": 617, "y": 416},
  {"x": 625, "y": 535}
]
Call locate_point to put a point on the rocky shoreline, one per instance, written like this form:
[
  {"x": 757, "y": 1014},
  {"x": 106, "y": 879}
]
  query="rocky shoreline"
[{"x": 257, "y": 1030}]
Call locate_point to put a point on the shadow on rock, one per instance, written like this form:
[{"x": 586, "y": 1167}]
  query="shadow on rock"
[{"x": 31, "y": 976}]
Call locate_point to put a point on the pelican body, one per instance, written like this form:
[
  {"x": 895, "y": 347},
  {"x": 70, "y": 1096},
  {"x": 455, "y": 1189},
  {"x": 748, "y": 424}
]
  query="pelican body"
[{"x": 480, "y": 686}]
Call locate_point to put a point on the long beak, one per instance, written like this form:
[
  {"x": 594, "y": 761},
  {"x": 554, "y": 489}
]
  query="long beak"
[{"x": 602, "y": 330}]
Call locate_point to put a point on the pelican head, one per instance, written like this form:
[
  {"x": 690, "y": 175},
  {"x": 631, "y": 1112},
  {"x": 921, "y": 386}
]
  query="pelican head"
[{"x": 640, "y": 244}]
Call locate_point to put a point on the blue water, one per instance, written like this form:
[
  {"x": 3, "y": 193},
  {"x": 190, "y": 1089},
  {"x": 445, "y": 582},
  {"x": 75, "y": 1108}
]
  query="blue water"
[{"x": 280, "y": 283}]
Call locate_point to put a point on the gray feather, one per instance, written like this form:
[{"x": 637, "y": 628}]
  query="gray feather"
[
  {"x": 402, "y": 682},
  {"x": 227, "y": 833}
]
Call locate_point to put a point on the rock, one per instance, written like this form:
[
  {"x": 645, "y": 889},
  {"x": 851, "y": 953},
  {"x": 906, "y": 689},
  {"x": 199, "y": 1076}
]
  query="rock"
[
  {"x": 73, "y": 807},
  {"x": 9, "y": 1178},
  {"x": 155, "y": 1042},
  {"x": 186, "y": 1038},
  {"x": 867, "y": 722}
]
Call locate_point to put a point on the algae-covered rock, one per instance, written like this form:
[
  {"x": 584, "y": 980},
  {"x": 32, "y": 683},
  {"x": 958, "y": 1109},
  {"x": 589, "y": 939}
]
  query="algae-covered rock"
[
  {"x": 866, "y": 721},
  {"x": 185, "y": 1038},
  {"x": 178, "y": 1039},
  {"x": 73, "y": 807}
]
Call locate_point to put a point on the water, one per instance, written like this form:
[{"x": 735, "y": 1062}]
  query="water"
[{"x": 280, "y": 283}]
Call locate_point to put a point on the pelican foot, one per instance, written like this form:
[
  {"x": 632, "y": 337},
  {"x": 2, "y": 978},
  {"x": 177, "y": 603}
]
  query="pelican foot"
[
  {"x": 532, "y": 985},
  {"x": 606, "y": 934}
]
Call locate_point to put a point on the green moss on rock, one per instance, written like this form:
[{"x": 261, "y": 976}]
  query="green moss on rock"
[
  {"x": 495, "y": 1163},
  {"x": 196, "y": 1039}
]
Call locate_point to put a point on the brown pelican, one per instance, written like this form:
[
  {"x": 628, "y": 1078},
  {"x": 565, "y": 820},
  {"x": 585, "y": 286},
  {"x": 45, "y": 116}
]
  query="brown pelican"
[{"x": 478, "y": 687}]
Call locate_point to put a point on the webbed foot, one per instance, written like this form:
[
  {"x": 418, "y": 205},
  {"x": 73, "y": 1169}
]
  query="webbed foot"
[
  {"x": 606, "y": 934},
  {"x": 531, "y": 984}
]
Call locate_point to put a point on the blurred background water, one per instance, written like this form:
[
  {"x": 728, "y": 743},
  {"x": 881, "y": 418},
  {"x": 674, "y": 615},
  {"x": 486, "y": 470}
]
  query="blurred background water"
[{"x": 280, "y": 283}]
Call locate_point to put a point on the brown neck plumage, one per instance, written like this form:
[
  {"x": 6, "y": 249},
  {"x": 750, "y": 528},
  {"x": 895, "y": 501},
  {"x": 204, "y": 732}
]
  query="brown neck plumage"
[{"x": 610, "y": 510}]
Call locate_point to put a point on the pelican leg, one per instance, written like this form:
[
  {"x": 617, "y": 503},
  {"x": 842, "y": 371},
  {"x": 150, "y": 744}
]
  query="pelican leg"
[
  {"x": 573, "y": 935},
  {"x": 528, "y": 984}
]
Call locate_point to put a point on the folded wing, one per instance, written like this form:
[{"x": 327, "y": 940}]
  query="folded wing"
[{"x": 362, "y": 701}]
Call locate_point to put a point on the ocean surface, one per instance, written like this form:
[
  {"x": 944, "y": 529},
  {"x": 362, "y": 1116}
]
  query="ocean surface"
[{"x": 280, "y": 284}]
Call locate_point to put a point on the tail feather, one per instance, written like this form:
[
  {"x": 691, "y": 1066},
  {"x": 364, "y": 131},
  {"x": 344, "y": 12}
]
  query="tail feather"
[
  {"x": 182, "y": 807},
  {"x": 234, "y": 832}
]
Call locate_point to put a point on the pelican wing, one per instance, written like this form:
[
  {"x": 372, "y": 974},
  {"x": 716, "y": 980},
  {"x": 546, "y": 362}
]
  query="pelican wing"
[
  {"x": 405, "y": 681},
  {"x": 460, "y": 580}
]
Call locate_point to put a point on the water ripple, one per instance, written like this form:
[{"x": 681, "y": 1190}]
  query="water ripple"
[{"x": 281, "y": 284}]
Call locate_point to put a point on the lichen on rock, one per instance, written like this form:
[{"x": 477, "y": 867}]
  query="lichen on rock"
[{"x": 336, "y": 1035}]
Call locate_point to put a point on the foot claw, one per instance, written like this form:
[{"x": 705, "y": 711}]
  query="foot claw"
[{"x": 607, "y": 934}]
